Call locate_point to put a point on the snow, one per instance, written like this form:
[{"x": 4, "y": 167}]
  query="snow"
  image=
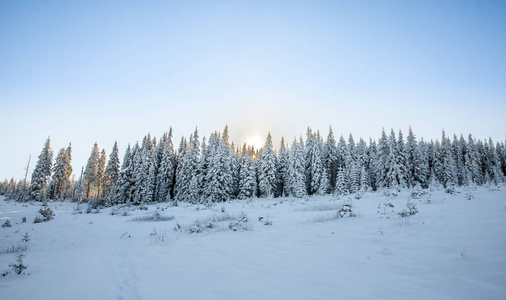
[{"x": 453, "y": 248}]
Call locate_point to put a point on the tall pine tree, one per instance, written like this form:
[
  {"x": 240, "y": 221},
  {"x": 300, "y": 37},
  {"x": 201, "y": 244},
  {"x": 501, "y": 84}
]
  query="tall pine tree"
[{"x": 42, "y": 172}]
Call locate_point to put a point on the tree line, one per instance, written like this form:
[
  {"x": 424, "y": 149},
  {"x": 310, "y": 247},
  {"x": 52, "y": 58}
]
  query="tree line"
[{"x": 215, "y": 170}]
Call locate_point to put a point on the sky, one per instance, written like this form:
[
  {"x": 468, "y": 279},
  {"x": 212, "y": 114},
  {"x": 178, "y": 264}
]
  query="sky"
[{"x": 105, "y": 71}]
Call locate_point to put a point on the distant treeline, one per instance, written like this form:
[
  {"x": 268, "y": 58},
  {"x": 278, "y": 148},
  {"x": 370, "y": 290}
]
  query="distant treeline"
[{"x": 215, "y": 170}]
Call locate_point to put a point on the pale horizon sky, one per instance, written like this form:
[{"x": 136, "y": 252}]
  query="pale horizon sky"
[{"x": 89, "y": 71}]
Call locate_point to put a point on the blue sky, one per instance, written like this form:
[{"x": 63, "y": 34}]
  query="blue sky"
[{"x": 85, "y": 71}]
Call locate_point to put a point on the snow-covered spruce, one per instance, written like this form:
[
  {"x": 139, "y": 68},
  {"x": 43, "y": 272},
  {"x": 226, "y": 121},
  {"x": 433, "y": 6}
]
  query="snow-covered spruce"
[
  {"x": 410, "y": 210},
  {"x": 346, "y": 211},
  {"x": 46, "y": 214}
]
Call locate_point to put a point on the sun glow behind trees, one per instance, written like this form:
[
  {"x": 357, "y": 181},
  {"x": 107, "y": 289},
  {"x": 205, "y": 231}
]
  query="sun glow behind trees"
[{"x": 256, "y": 141}]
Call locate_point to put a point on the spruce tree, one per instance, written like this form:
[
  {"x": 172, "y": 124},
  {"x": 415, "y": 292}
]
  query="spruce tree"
[
  {"x": 193, "y": 161},
  {"x": 314, "y": 163},
  {"x": 501, "y": 151},
  {"x": 77, "y": 189},
  {"x": 61, "y": 174},
  {"x": 402, "y": 161},
  {"x": 204, "y": 167},
  {"x": 372, "y": 154},
  {"x": 149, "y": 184},
  {"x": 494, "y": 167},
  {"x": 282, "y": 170},
  {"x": 352, "y": 154},
  {"x": 330, "y": 156},
  {"x": 297, "y": 178},
  {"x": 341, "y": 183},
  {"x": 42, "y": 172},
  {"x": 112, "y": 170},
  {"x": 219, "y": 176},
  {"x": 437, "y": 163},
  {"x": 395, "y": 162},
  {"x": 142, "y": 191},
  {"x": 248, "y": 175},
  {"x": 267, "y": 171},
  {"x": 324, "y": 186},
  {"x": 101, "y": 173},
  {"x": 68, "y": 171},
  {"x": 382, "y": 166},
  {"x": 342, "y": 153},
  {"x": 416, "y": 165},
  {"x": 364, "y": 180},
  {"x": 235, "y": 170},
  {"x": 448, "y": 164},
  {"x": 243, "y": 191},
  {"x": 457, "y": 149},
  {"x": 182, "y": 178},
  {"x": 123, "y": 190},
  {"x": 90, "y": 178},
  {"x": 166, "y": 175},
  {"x": 355, "y": 172}
]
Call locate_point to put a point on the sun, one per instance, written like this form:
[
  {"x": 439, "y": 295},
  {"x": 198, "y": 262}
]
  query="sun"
[{"x": 255, "y": 141}]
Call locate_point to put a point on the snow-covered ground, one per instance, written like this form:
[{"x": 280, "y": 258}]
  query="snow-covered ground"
[{"x": 453, "y": 248}]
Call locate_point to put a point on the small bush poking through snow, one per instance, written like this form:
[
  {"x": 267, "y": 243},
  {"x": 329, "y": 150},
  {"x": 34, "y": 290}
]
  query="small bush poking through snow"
[
  {"x": 464, "y": 253},
  {"x": 6, "y": 224},
  {"x": 221, "y": 218},
  {"x": 417, "y": 191},
  {"x": 266, "y": 221},
  {"x": 125, "y": 235},
  {"x": 121, "y": 211},
  {"x": 156, "y": 236},
  {"x": 470, "y": 192},
  {"x": 386, "y": 209},
  {"x": 15, "y": 249},
  {"x": 46, "y": 213},
  {"x": 197, "y": 227},
  {"x": 154, "y": 217},
  {"x": 89, "y": 210},
  {"x": 410, "y": 210},
  {"x": 240, "y": 223},
  {"x": 320, "y": 207},
  {"x": 345, "y": 211},
  {"x": 213, "y": 224},
  {"x": 26, "y": 238},
  {"x": 95, "y": 204},
  {"x": 325, "y": 218},
  {"x": 18, "y": 267},
  {"x": 23, "y": 220},
  {"x": 450, "y": 189}
]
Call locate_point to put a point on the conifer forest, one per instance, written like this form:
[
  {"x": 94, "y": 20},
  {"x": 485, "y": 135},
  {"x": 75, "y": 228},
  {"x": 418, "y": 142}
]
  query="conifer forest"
[{"x": 214, "y": 169}]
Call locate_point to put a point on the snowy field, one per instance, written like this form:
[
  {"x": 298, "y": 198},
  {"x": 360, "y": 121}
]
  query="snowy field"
[{"x": 453, "y": 248}]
